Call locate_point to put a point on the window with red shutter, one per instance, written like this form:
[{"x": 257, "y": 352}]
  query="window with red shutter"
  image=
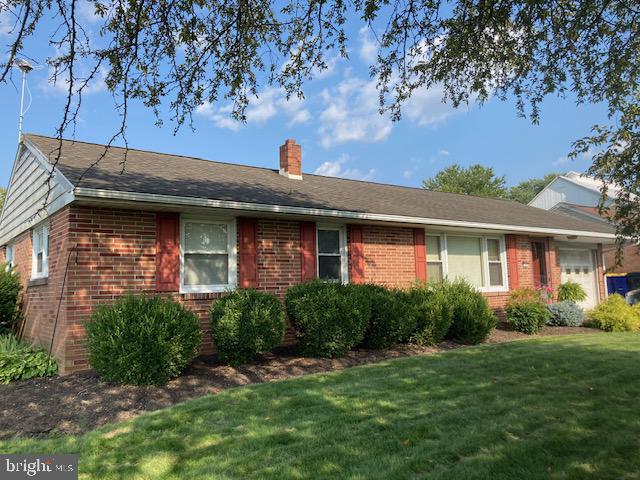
[
  {"x": 248, "y": 253},
  {"x": 356, "y": 254}
]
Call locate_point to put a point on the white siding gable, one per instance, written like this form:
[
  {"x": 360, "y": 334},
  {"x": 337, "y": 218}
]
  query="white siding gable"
[
  {"x": 33, "y": 193},
  {"x": 564, "y": 191}
]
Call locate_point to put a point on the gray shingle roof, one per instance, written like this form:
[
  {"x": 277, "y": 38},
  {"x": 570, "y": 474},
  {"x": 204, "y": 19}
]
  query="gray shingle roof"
[{"x": 165, "y": 174}]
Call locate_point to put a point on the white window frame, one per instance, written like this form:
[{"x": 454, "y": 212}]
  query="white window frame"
[
  {"x": 10, "y": 254},
  {"x": 44, "y": 229},
  {"x": 344, "y": 258},
  {"x": 487, "y": 288},
  {"x": 232, "y": 252},
  {"x": 443, "y": 257}
]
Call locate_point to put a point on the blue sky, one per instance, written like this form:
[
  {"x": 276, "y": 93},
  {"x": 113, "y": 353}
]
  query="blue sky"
[{"x": 337, "y": 124}]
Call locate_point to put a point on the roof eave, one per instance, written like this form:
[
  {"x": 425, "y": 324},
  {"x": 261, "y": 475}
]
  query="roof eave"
[{"x": 137, "y": 197}]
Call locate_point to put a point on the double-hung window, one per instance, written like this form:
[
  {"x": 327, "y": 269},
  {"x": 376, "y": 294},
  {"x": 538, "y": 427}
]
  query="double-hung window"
[
  {"x": 435, "y": 262},
  {"x": 208, "y": 251},
  {"x": 480, "y": 260},
  {"x": 40, "y": 247},
  {"x": 332, "y": 254}
]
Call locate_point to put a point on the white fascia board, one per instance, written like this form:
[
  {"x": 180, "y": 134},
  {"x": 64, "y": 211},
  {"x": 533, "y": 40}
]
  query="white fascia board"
[{"x": 91, "y": 193}]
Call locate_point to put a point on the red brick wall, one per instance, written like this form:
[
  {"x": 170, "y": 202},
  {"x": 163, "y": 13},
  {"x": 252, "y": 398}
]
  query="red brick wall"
[
  {"x": 41, "y": 297},
  {"x": 115, "y": 255},
  {"x": 389, "y": 256},
  {"x": 630, "y": 261},
  {"x": 278, "y": 255}
]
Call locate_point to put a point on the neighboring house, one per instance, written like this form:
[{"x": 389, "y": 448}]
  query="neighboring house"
[
  {"x": 578, "y": 196},
  {"x": 194, "y": 229}
]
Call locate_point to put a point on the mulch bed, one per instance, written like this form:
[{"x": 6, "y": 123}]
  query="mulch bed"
[{"x": 81, "y": 402}]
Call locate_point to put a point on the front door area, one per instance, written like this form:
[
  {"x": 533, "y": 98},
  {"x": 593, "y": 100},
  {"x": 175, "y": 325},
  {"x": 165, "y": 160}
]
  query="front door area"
[{"x": 539, "y": 264}]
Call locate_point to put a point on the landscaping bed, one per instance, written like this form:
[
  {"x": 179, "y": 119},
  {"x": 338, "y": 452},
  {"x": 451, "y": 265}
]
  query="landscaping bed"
[{"x": 80, "y": 402}]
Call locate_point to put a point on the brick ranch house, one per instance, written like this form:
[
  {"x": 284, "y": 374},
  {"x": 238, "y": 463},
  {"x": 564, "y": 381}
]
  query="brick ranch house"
[{"x": 193, "y": 229}]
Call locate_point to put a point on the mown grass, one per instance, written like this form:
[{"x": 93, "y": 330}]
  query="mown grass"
[{"x": 563, "y": 407}]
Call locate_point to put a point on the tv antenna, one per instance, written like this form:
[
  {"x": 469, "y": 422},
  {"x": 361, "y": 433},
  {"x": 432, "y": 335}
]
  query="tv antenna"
[{"x": 25, "y": 67}]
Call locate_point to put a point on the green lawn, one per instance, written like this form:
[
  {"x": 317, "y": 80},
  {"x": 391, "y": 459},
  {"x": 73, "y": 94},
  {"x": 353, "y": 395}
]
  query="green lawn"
[{"x": 563, "y": 407}]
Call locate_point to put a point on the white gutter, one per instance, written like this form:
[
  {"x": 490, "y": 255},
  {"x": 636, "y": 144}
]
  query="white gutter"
[{"x": 89, "y": 193}]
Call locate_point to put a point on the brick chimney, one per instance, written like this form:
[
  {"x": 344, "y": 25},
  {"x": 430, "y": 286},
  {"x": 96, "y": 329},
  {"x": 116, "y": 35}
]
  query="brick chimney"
[{"x": 291, "y": 159}]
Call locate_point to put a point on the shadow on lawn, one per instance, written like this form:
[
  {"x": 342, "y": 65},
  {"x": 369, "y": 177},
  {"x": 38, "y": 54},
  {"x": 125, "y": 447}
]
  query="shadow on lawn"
[
  {"x": 81, "y": 402},
  {"x": 506, "y": 411}
]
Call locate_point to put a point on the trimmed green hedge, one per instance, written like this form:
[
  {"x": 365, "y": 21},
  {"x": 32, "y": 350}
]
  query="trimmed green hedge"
[
  {"x": 392, "y": 318},
  {"x": 246, "y": 323},
  {"x": 142, "y": 340},
  {"x": 330, "y": 318},
  {"x": 433, "y": 310},
  {"x": 473, "y": 320}
]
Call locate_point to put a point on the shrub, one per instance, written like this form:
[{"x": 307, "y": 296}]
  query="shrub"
[
  {"x": 525, "y": 294},
  {"x": 472, "y": 317},
  {"x": 10, "y": 288},
  {"x": 330, "y": 318},
  {"x": 571, "y": 292},
  {"x": 246, "y": 323},
  {"x": 433, "y": 311},
  {"x": 392, "y": 317},
  {"x": 565, "y": 314},
  {"x": 526, "y": 310},
  {"x": 615, "y": 315},
  {"x": 528, "y": 317},
  {"x": 142, "y": 340},
  {"x": 20, "y": 361}
]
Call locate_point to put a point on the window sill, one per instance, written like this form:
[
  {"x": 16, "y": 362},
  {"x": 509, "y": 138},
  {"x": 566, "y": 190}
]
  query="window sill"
[
  {"x": 207, "y": 289},
  {"x": 35, "y": 282},
  {"x": 494, "y": 290}
]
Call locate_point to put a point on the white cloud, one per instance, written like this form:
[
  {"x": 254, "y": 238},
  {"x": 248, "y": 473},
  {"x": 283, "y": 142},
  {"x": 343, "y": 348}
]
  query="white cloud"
[
  {"x": 330, "y": 69},
  {"x": 564, "y": 160},
  {"x": 263, "y": 107},
  {"x": 408, "y": 174},
  {"x": 368, "y": 49},
  {"x": 87, "y": 11},
  {"x": 351, "y": 114},
  {"x": 220, "y": 117},
  {"x": 336, "y": 169},
  {"x": 7, "y": 22},
  {"x": 294, "y": 109},
  {"x": 425, "y": 107},
  {"x": 444, "y": 153}
]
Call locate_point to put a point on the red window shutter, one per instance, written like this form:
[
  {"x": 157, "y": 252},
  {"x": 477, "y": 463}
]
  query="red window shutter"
[
  {"x": 511, "y": 243},
  {"x": 420, "y": 253},
  {"x": 167, "y": 252},
  {"x": 308, "y": 251},
  {"x": 248, "y": 254},
  {"x": 356, "y": 254}
]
